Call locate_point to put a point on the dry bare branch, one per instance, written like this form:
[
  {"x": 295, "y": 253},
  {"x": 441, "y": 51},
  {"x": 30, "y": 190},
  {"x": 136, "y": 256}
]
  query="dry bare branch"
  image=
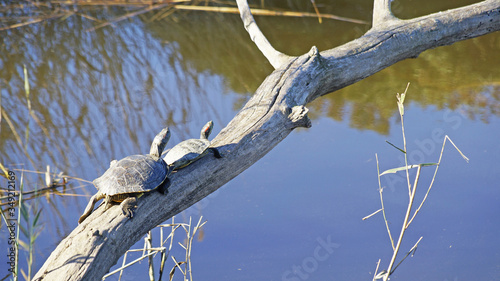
[
  {"x": 382, "y": 13},
  {"x": 277, "y": 107},
  {"x": 275, "y": 58}
]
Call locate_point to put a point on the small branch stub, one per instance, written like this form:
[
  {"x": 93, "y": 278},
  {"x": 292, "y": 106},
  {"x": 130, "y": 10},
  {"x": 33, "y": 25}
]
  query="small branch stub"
[
  {"x": 298, "y": 117},
  {"x": 382, "y": 13},
  {"x": 313, "y": 52}
]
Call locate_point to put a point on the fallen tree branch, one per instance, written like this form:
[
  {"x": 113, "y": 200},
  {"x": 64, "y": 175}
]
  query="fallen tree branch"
[{"x": 277, "y": 107}]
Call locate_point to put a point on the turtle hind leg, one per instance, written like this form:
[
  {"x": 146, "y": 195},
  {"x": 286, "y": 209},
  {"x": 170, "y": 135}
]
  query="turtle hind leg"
[
  {"x": 90, "y": 206},
  {"x": 215, "y": 151},
  {"x": 107, "y": 202},
  {"x": 163, "y": 188},
  {"x": 128, "y": 206}
]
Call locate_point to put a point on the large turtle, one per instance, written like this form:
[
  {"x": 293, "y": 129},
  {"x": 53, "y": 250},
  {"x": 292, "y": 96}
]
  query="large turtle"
[
  {"x": 129, "y": 178},
  {"x": 191, "y": 150}
]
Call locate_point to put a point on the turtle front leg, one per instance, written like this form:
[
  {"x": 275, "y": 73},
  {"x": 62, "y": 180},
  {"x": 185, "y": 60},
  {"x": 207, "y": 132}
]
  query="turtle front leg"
[{"x": 128, "y": 206}]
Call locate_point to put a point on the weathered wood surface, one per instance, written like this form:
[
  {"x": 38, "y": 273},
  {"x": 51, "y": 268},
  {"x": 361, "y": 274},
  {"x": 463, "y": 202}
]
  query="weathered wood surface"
[{"x": 277, "y": 107}]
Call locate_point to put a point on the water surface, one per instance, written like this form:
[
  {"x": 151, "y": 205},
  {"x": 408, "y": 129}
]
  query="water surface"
[{"x": 102, "y": 95}]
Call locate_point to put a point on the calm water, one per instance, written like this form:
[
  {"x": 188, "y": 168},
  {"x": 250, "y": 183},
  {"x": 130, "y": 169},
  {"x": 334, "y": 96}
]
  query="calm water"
[{"x": 295, "y": 214}]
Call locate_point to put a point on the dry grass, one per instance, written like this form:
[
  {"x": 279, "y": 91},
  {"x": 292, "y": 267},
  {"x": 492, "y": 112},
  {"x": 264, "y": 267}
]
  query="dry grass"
[
  {"x": 50, "y": 10},
  {"x": 164, "y": 250},
  {"x": 412, "y": 189}
]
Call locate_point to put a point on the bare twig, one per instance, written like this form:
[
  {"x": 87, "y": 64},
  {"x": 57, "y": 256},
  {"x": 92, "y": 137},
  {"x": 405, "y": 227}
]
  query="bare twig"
[
  {"x": 405, "y": 224},
  {"x": 376, "y": 270},
  {"x": 128, "y": 264},
  {"x": 401, "y": 99},
  {"x": 123, "y": 265},
  {"x": 372, "y": 214},
  {"x": 148, "y": 251},
  {"x": 177, "y": 265},
  {"x": 317, "y": 11},
  {"x": 148, "y": 241},
  {"x": 382, "y": 12},
  {"x": 412, "y": 191},
  {"x": 383, "y": 207},
  {"x": 435, "y": 173},
  {"x": 411, "y": 251},
  {"x": 275, "y": 58}
]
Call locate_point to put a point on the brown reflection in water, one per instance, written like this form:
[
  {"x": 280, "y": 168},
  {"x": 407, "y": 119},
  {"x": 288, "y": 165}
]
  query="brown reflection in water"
[{"x": 463, "y": 76}]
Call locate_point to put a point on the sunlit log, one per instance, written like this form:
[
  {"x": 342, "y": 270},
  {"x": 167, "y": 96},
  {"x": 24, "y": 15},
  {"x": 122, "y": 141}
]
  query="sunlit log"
[{"x": 277, "y": 107}]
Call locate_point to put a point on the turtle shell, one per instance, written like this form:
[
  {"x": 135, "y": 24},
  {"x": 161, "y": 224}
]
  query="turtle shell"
[
  {"x": 133, "y": 174},
  {"x": 186, "y": 152}
]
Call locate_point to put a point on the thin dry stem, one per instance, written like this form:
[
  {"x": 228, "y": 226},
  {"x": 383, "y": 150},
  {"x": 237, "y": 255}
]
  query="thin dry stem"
[
  {"x": 372, "y": 214},
  {"x": 148, "y": 251},
  {"x": 435, "y": 173},
  {"x": 382, "y": 203},
  {"x": 405, "y": 224},
  {"x": 404, "y": 139},
  {"x": 376, "y": 270},
  {"x": 317, "y": 11},
  {"x": 123, "y": 264},
  {"x": 411, "y": 251},
  {"x": 148, "y": 242},
  {"x": 266, "y": 12},
  {"x": 129, "y": 264},
  {"x": 178, "y": 265}
]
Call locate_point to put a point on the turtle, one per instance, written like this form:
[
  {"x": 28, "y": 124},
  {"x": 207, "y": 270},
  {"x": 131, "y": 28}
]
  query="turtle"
[
  {"x": 131, "y": 177},
  {"x": 191, "y": 150}
]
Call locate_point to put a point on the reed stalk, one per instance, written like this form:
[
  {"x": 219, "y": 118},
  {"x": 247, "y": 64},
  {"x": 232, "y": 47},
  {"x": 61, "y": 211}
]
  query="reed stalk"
[{"x": 412, "y": 190}]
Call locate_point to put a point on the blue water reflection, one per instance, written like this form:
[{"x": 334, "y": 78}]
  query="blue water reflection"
[
  {"x": 319, "y": 183},
  {"x": 296, "y": 214}
]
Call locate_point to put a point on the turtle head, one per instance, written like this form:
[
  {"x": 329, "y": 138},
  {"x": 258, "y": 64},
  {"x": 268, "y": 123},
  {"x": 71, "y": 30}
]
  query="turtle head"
[
  {"x": 160, "y": 142},
  {"x": 207, "y": 129}
]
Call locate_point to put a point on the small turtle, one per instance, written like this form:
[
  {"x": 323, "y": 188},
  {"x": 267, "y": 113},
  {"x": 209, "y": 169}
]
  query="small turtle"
[
  {"x": 191, "y": 150},
  {"x": 129, "y": 178}
]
